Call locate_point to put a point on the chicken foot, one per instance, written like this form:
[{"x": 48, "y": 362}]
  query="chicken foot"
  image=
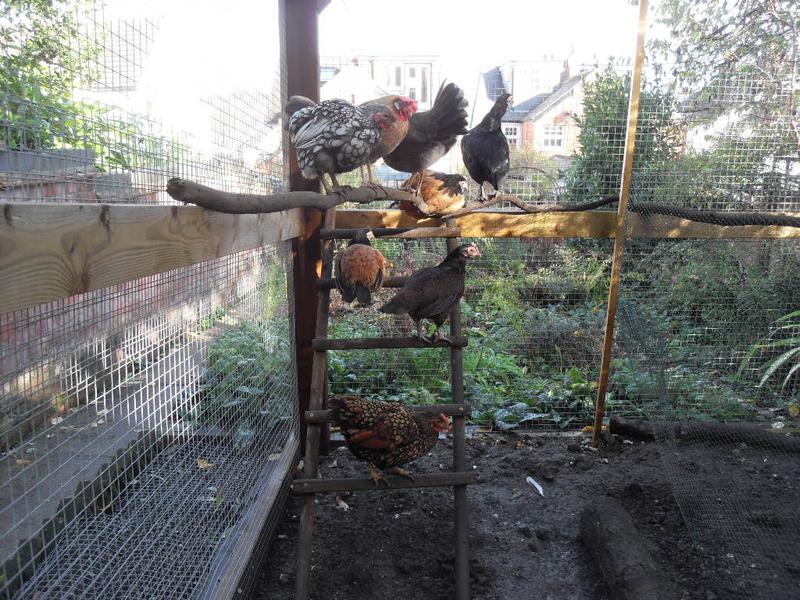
[
  {"x": 403, "y": 473},
  {"x": 376, "y": 475},
  {"x": 334, "y": 187}
]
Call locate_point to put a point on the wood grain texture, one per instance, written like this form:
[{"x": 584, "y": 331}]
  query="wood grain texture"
[
  {"x": 53, "y": 251},
  {"x": 594, "y": 224}
]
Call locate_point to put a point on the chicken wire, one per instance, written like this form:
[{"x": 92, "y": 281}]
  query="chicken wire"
[
  {"x": 136, "y": 423},
  {"x": 697, "y": 319},
  {"x": 104, "y": 101},
  {"x": 142, "y": 424},
  {"x": 533, "y": 311}
]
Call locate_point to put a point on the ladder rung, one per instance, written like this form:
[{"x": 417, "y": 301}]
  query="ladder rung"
[
  {"x": 450, "y": 410},
  {"x": 394, "y": 232},
  {"x": 315, "y": 486},
  {"x": 389, "y": 282},
  {"x": 384, "y": 342}
]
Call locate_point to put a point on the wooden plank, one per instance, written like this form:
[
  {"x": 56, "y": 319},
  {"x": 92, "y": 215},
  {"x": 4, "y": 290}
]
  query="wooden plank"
[
  {"x": 389, "y": 282},
  {"x": 387, "y": 342},
  {"x": 394, "y": 233},
  {"x": 53, "y": 251},
  {"x": 315, "y": 486},
  {"x": 450, "y": 410},
  {"x": 592, "y": 224}
]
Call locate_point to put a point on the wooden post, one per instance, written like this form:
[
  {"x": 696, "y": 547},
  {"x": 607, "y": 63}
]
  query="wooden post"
[
  {"x": 619, "y": 238},
  {"x": 459, "y": 451},
  {"x": 302, "y": 78}
]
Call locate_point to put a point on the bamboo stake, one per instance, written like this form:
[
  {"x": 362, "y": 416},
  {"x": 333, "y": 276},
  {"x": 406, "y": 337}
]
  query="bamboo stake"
[{"x": 622, "y": 210}]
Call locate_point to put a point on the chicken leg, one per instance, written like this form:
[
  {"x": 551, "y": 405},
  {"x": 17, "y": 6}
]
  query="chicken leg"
[
  {"x": 376, "y": 475},
  {"x": 439, "y": 335},
  {"x": 403, "y": 473},
  {"x": 421, "y": 336}
]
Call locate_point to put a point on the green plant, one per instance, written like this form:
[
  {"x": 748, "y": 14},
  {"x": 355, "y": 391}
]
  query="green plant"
[
  {"x": 247, "y": 378},
  {"x": 784, "y": 337}
]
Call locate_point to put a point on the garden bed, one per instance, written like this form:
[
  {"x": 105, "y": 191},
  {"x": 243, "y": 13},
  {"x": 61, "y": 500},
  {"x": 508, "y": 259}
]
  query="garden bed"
[{"x": 398, "y": 544}]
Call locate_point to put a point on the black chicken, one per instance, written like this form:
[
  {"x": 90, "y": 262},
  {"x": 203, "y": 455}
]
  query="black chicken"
[
  {"x": 485, "y": 148},
  {"x": 432, "y": 133},
  {"x": 430, "y": 293}
]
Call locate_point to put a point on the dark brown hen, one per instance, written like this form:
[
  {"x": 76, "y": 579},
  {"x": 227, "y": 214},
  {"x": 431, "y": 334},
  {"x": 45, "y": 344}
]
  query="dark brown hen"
[
  {"x": 360, "y": 269},
  {"x": 430, "y": 293},
  {"x": 385, "y": 434},
  {"x": 431, "y": 133}
]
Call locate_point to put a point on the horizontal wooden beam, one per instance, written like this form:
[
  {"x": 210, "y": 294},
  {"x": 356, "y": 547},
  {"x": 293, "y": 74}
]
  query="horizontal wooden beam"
[
  {"x": 395, "y": 233},
  {"x": 384, "y": 342},
  {"x": 450, "y": 410},
  {"x": 396, "y": 482},
  {"x": 53, "y": 251},
  {"x": 389, "y": 282},
  {"x": 590, "y": 224}
]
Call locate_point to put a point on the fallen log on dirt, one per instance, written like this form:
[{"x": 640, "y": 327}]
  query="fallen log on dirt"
[
  {"x": 621, "y": 552},
  {"x": 726, "y": 433}
]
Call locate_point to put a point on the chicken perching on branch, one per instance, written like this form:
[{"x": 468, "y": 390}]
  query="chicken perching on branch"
[
  {"x": 430, "y": 293},
  {"x": 432, "y": 133},
  {"x": 485, "y": 148},
  {"x": 336, "y": 137},
  {"x": 441, "y": 193},
  {"x": 385, "y": 434},
  {"x": 360, "y": 269}
]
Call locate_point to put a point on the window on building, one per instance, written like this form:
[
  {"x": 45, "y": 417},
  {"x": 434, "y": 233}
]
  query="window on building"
[
  {"x": 412, "y": 93},
  {"x": 423, "y": 92},
  {"x": 511, "y": 131},
  {"x": 412, "y": 72},
  {"x": 553, "y": 136},
  {"x": 326, "y": 73},
  {"x": 398, "y": 76}
]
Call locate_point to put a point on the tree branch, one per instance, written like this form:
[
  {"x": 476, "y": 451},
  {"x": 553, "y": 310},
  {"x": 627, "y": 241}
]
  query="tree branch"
[{"x": 190, "y": 192}]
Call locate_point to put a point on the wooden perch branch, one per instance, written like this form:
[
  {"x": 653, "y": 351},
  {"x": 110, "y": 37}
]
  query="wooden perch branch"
[
  {"x": 187, "y": 191},
  {"x": 226, "y": 202}
]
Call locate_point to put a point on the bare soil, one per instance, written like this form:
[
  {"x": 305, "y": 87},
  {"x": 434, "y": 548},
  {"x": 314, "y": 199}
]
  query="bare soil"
[{"x": 398, "y": 544}]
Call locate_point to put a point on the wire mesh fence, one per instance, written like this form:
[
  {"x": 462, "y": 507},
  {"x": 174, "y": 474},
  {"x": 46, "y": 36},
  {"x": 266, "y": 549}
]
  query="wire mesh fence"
[
  {"x": 145, "y": 428},
  {"x": 702, "y": 323},
  {"x": 142, "y": 424}
]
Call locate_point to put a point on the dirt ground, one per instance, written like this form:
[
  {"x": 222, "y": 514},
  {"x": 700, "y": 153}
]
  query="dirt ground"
[{"x": 398, "y": 544}]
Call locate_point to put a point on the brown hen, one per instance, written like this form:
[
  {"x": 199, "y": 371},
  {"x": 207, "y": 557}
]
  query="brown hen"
[
  {"x": 442, "y": 194},
  {"x": 385, "y": 434},
  {"x": 360, "y": 269}
]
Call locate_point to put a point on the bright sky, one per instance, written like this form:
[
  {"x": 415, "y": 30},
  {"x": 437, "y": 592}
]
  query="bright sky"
[{"x": 475, "y": 35}]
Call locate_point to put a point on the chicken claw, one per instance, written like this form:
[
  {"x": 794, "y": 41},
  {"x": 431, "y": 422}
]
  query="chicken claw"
[
  {"x": 403, "y": 473},
  {"x": 377, "y": 475},
  {"x": 439, "y": 336}
]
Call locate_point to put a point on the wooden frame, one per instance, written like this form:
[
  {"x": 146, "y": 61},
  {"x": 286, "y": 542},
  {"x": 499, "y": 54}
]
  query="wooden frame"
[
  {"x": 53, "y": 251},
  {"x": 594, "y": 224}
]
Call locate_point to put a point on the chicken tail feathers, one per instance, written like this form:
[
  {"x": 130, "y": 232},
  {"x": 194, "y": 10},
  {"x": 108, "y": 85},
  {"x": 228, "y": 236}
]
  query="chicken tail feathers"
[
  {"x": 449, "y": 110},
  {"x": 393, "y": 307},
  {"x": 363, "y": 294},
  {"x": 348, "y": 293}
]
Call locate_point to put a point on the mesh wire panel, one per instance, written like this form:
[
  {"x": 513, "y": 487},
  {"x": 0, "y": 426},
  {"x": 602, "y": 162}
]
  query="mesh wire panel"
[
  {"x": 533, "y": 311},
  {"x": 141, "y": 424},
  {"x": 701, "y": 322},
  {"x": 139, "y": 432},
  {"x": 104, "y": 101}
]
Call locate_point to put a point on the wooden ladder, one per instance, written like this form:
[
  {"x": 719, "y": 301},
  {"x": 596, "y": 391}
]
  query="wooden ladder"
[{"x": 316, "y": 418}]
